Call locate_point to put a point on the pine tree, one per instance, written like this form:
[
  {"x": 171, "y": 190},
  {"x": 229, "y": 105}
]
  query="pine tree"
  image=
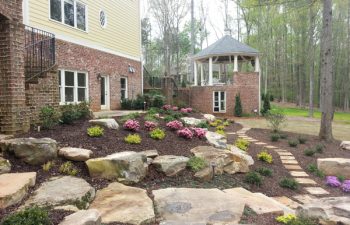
[{"x": 238, "y": 106}]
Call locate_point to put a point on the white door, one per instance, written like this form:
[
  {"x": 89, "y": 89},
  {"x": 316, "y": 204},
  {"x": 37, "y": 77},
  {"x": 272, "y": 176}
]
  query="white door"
[{"x": 105, "y": 92}]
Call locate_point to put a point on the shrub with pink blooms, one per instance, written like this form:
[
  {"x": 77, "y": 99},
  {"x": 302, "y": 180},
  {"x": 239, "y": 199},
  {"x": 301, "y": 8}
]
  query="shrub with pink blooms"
[
  {"x": 175, "y": 108},
  {"x": 175, "y": 125},
  {"x": 186, "y": 110},
  {"x": 132, "y": 125},
  {"x": 333, "y": 181},
  {"x": 199, "y": 132},
  {"x": 185, "y": 133},
  {"x": 150, "y": 125},
  {"x": 346, "y": 186},
  {"x": 166, "y": 107}
]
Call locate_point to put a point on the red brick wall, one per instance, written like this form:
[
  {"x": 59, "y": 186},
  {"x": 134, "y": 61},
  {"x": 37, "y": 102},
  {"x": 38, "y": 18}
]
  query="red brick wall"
[
  {"x": 75, "y": 57},
  {"x": 247, "y": 84}
]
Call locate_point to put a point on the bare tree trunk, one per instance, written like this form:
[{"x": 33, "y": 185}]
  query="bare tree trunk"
[
  {"x": 346, "y": 96},
  {"x": 326, "y": 74},
  {"x": 192, "y": 38},
  {"x": 312, "y": 58}
]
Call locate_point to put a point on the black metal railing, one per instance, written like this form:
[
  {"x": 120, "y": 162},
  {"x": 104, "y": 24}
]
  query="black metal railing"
[{"x": 39, "y": 52}]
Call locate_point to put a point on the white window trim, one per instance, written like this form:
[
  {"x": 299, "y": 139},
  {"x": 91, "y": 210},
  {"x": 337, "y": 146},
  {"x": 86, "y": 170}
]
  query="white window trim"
[
  {"x": 220, "y": 111},
  {"x": 126, "y": 87},
  {"x": 75, "y": 17},
  {"x": 75, "y": 87}
]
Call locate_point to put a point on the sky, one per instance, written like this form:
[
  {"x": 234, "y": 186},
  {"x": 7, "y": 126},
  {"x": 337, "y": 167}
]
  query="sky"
[{"x": 215, "y": 19}]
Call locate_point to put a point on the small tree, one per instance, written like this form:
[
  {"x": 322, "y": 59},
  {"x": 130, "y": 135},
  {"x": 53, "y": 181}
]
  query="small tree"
[
  {"x": 266, "y": 105},
  {"x": 276, "y": 119},
  {"x": 238, "y": 106}
]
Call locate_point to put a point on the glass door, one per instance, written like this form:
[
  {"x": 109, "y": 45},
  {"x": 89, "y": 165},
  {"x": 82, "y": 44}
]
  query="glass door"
[{"x": 104, "y": 92}]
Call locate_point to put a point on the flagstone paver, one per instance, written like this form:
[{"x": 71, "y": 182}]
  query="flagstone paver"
[
  {"x": 298, "y": 174},
  {"x": 289, "y": 161},
  {"x": 284, "y": 153},
  {"x": 305, "y": 180},
  {"x": 305, "y": 199},
  {"x": 316, "y": 191},
  {"x": 271, "y": 147},
  {"x": 287, "y": 202},
  {"x": 260, "y": 143},
  {"x": 280, "y": 150},
  {"x": 286, "y": 157},
  {"x": 292, "y": 167}
]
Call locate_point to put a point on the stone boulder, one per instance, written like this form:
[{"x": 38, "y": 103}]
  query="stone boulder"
[
  {"x": 345, "y": 145},
  {"x": 66, "y": 190},
  {"x": 31, "y": 150},
  {"x": 205, "y": 174},
  {"x": 231, "y": 162},
  {"x": 5, "y": 166},
  {"x": 75, "y": 154},
  {"x": 215, "y": 139},
  {"x": 335, "y": 166},
  {"x": 83, "y": 217},
  {"x": 209, "y": 117},
  {"x": 331, "y": 210},
  {"x": 192, "y": 121},
  {"x": 170, "y": 164},
  {"x": 14, "y": 187},
  {"x": 108, "y": 123},
  {"x": 150, "y": 153},
  {"x": 123, "y": 204},
  {"x": 127, "y": 167}
]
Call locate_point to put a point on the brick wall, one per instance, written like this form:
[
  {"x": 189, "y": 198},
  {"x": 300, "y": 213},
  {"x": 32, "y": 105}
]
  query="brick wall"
[
  {"x": 247, "y": 84},
  {"x": 75, "y": 57}
]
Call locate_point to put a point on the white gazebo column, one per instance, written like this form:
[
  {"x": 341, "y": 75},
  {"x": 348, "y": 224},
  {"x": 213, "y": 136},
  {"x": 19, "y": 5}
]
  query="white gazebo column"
[
  {"x": 202, "y": 75},
  {"x": 257, "y": 64},
  {"x": 195, "y": 74},
  {"x": 235, "y": 63},
  {"x": 210, "y": 82}
]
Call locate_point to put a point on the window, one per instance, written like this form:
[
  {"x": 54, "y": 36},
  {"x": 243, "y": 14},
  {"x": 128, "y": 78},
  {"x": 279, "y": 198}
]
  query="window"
[
  {"x": 103, "y": 19},
  {"x": 73, "y": 86},
  {"x": 69, "y": 12},
  {"x": 219, "y": 101},
  {"x": 123, "y": 88}
]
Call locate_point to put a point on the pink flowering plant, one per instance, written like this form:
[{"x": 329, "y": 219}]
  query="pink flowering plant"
[
  {"x": 186, "y": 110},
  {"x": 175, "y": 108},
  {"x": 132, "y": 125},
  {"x": 199, "y": 132},
  {"x": 175, "y": 125},
  {"x": 166, "y": 107},
  {"x": 185, "y": 133},
  {"x": 333, "y": 181},
  {"x": 346, "y": 186},
  {"x": 150, "y": 125}
]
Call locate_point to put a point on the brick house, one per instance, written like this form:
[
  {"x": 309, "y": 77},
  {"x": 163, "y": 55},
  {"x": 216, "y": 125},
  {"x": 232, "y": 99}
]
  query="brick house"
[
  {"x": 221, "y": 71},
  {"x": 66, "y": 51}
]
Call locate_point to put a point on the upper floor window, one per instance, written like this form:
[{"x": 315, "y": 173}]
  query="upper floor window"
[{"x": 69, "y": 12}]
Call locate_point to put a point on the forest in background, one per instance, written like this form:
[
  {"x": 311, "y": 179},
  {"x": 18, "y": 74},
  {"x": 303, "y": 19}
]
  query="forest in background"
[{"x": 286, "y": 32}]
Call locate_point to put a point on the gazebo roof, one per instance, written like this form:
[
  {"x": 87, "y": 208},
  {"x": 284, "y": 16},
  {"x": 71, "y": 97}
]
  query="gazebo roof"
[{"x": 225, "y": 46}]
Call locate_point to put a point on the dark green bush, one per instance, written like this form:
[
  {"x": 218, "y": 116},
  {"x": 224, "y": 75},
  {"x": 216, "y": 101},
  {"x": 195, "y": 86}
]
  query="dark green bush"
[
  {"x": 28, "y": 216},
  {"x": 266, "y": 104},
  {"x": 266, "y": 172},
  {"x": 203, "y": 125},
  {"x": 302, "y": 140},
  {"x": 275, "y": 137},
  {"x": 289, "y": 183},
  {"x": 253, "y": 178},
  {"x": 283, "y": 136},
  {"x": 238, "y": 106},
  {"x": 319, "y": 148},
  {"x": 309, "y": 152},
  {"x": 196, "y": 163},
  {"x": 312, "y": 168},
  {"x": 49, "y": 117},
  {"x": 293, "y": 143},
  {"x": 169, "y": 118},
  {"x": 341, "y": 178},
  {"x": 131, "y": 116}
]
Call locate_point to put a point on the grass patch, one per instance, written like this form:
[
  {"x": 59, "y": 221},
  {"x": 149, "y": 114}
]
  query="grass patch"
[{"x": 196, "y": 163}]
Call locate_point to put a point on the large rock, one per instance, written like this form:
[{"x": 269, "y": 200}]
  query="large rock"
[
  {"x": 209, "y": 117},
  {"x": 224, "y": 160},
  {"x": 75, "y": 154},
  {"x": 192, "y": 121},
  {"x": 128, "y": 167},
  {"x": 345, "y": 145},
  {"x": 65, "y": 190},
  {"x": 31, "y": 150},
  {"x": 335, "y": 166},
  {"x": 83, "y": 217},
  {"x": 215, "y": 139},
  {"x": 205, "y": 174},
  {"x": 5, "y": 166},
  {"x": 332, "y": 210},
  {"x": 14, "y": 187},
  {"x": 150, "y": 153},
  {"x": 123, "y": 204},
  {"x": 170, "y": 164},
  {"x": 108, "y": 123}
]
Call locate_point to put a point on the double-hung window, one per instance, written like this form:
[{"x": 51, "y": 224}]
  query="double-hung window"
[
  {"x": 73, "y": 86},
  {"x": 123, "y": 88},
  {"x": 70, "y": 12},
  {"x": 219, "y": 101}
]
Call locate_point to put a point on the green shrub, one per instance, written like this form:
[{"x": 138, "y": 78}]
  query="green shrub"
[
  {"x": 275, "y": 137},
  {"x": 266, "y": 104},
  {"x": 152, "y": 118},
  {"x": 312, "y": 168},
  {"x": 84, "y": 109},
  {"x": 48, "y": 166},
  {"x": 49, "y": 117},
  {"x": 341, "y": 178},
  {"x": 72, "y": 112},
  {"x": 226, "y": 123},
  {"x": 131, "y": 116},
  {"x": 196, "y": 163},
  {"x": 158, "y": 101},
  {"x": 303, "y": 221},
  {"x": 169, "y": 118},
  {"x": 28, "y": 216},
  {"x": 276, "y": 119},
  {"x": 266, "y": 172},
  {"x": 319, "y": 148},
  {"x": 309, "y": 152},
  {"x": 302, "y": 140},
  {"x": 242, "y": 144},
  {"x": 221, "y": 127},
  {"x": 203, "y": 125},
  {"x": 153, "y": 111},
  {"x": 238, "y": 106},
  {"x": 68, "y": 169},
  {"x": 253, "y": 178},
  {"x": 265, "y": 156},
  {"x": 133, "y": 139},
  {"x": 293, "y": 143},
  {"x": 157, "y": 134},
  {"x": 289, "y": 183},
  {"x": 283, "y": 136},
  {"x": 95, "y": 131}
]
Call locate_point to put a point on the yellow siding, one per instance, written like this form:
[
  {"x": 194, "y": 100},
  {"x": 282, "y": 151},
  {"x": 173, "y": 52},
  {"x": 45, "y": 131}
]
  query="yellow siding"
[{"x": 121, "y": 35}]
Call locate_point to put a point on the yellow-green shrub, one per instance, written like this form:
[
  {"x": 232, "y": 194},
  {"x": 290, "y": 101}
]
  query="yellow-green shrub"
[
  {"x": 221, "y": 132},
  {"x": 226, "y": 123},
  {"x": 48, "y": 166},
  {"x": 157, "y": 134},
  {"x": 133, "y": 139},
  {"x": 95, "y": 131},
  {"x": 285, "y": 219},
  {"x": 242, "y": 144},
  {"x": 68, "y": 169},
  {"x": 265, "y": 156},
  {"x": 221, "y": 127}
]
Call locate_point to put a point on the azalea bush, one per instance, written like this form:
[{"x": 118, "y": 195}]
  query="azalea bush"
[
  {"x": 150, "y": 125},
  {"x": 175, "y": 108},
  {"x": 185, "y": 133},
  {"x": 133, "y": 139},
  {"x": 175, "y": 125},
  {"x": 166, "y": 107},
  {"x": 157, "y": 134},
  {"x": 186, "y": 110},
  {"x": 132, "y": 125},
  {"x": 199, "y": 132}
]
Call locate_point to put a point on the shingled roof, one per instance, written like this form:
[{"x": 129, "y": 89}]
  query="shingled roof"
[{"x": 227, "y": 45}]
